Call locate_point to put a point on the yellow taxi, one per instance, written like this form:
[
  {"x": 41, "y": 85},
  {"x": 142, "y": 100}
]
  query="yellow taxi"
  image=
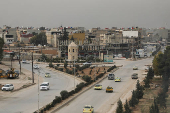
[
  {"x": 47, "y": 75},
  {"x": 97, "y": 86},
  {"x": 88, "y": 109},
  {"x": 117, "y": 79},
  {"x": 109, "y": 89}
]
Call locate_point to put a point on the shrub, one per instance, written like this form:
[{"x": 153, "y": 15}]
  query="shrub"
[
  {"x": 86, "y": 78},
  {"x": 64, "y": 94},
  {"x": 50, "y": 64},
  {"x": 60, "y": 69},
  {"x": 42, "y": 111},
  {"x": 58, "y": 99},
  {"x": 71, "y": 92},
  {"x": 111, "y": 68},
  {"x": 77, "y": 66},
  {"x": 65, "y": 64}
]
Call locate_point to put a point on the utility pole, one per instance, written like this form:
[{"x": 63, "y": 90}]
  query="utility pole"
[
  {"x": 32, "y": 70},
  {"x": 38, "y": 88},
  {"x": 132, "y": 48},
  {"x": 20, "y": 60},
  {"x": 74, "y": 74},
  {"x": 95, "y": 68}
]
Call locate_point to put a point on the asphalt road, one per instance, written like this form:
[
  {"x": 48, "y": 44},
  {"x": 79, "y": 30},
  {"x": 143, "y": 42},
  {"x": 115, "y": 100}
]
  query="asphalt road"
[
  {"x": 99, "y": 99},
  {"x": 26, "y": 100}
]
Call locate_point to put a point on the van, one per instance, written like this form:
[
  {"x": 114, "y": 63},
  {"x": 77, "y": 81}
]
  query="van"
[
  {"x": 111, "y": 76},
  {"x": 45, "y": 86}
]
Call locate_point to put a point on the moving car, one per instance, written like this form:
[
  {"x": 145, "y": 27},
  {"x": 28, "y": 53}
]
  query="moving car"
[
  {"x": 97, "y": 86},
  {"x": 134, "y": 76},
  {"x": 135, "y": 68},
  {"x": 36, "y": 67},
  {"x": 88, "y": 109},
  {"x": 87, "y": 63},
  {"x": 47, "y": 75},
  {"x": 45, "y": 86},
  {"x": 117, "y": 79},
  {"x": 8, "y": 87},
  {"x": 109, "y": 89},
  {"x": 111, "y": 76}
]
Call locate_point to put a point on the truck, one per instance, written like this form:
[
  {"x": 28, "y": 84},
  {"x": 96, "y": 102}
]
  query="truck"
[{"x": 111, "y": 76}]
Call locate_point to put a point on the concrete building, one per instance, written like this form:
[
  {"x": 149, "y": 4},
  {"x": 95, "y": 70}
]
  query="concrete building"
[{"x": 72, "y": 52}]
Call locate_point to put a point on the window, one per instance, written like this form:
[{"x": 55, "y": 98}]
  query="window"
[
  {"x": 73, "y": 50},
  {"x": 73, "y": 57},
  {"x": 69, "y": 50}
]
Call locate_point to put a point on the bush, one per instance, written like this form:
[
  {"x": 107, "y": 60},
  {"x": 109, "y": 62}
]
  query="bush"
[
  {"x": 86, "y": 78},
  {"x": 58, "y": 99},
  {"x": 60, "y": 69},
  {"x": 51, "y": 65},
  {"x": 71, "y": 92},
  {"x": 111, "y": 68},
  {"x": 64, "y": 94},
  {"x": 65, "y": 64}
]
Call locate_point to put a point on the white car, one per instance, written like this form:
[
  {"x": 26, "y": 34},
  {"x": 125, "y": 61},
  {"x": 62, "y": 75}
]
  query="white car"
[
  {"x": 87, "y": 63},
  {"x": 24, "y": 61},
  {"x": 36, "y": 67},
  {"x": 45, "y": 86},
  {"x": 8, "y": 87}
]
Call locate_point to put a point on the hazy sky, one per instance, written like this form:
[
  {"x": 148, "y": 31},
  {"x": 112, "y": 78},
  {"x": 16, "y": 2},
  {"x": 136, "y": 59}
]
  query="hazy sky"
[{"x": 85, "y": 13}]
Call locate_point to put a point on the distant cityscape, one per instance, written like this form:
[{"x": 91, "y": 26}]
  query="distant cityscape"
[{"x": 108, "y": 41}]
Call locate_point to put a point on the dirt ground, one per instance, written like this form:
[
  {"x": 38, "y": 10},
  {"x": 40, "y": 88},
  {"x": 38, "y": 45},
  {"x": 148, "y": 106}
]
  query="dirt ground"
[
  {"x": 148, "y": 98},
  {"x": 86, "y": 71},
  {"x": 24, "y": 78}
]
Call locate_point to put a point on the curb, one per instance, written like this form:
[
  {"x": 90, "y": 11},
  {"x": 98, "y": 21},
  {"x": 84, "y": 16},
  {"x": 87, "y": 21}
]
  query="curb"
[
  {"x": 65, "y": 73},
  {"x": 87, "y": 88},
  {"x": 22, "y": 87}
]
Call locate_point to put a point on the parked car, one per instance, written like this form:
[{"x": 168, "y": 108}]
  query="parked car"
[
  {"x": 47, "y": 75},
  {"x": 135, "y": 68},
  {"x": 88, "y": 109},
  {"x": 36, "y": 67},
  {"x": 134, "y": 76},
  {"x": 117, "y": 79},
  {"x": 8, "y": 87},
  {"x": 45, "y": 86},
  {"x": 24, "y": 61},
  {"x": 111, "y": 76},
  {"x": 87, "y": 63},
  {"x": 97, "y": 86},
  {"x": 109, "y": 89},
  {"x": 147, "y": 68}
]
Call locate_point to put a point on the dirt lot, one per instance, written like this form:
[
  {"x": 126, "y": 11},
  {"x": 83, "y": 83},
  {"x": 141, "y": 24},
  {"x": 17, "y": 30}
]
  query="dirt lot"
[
  {"x": 24, "y": 78},
  {"x": 148, "y": 98}
]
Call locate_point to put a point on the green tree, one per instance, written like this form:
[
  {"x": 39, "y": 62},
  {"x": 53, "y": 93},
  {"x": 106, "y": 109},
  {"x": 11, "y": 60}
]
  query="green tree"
[
  {"x": 139, "y": 90},
  {"x": 65, "y": 36},
  {"x": 127, "y": 108},
  {"x": 146, "y": 81},
  {"x": 1, "y": 50},
  {"x": 150, "y": 73},
  {"x": 155, "y": 64},
  {"x": 72, "y": 38},
  {"x": 41, "y": 38},
  {"x": 65, "y": 64},
  {"x": 154, "y": 108},
  {"x": 119, "y": 107},
  {"x": 133, "y": 100}
]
